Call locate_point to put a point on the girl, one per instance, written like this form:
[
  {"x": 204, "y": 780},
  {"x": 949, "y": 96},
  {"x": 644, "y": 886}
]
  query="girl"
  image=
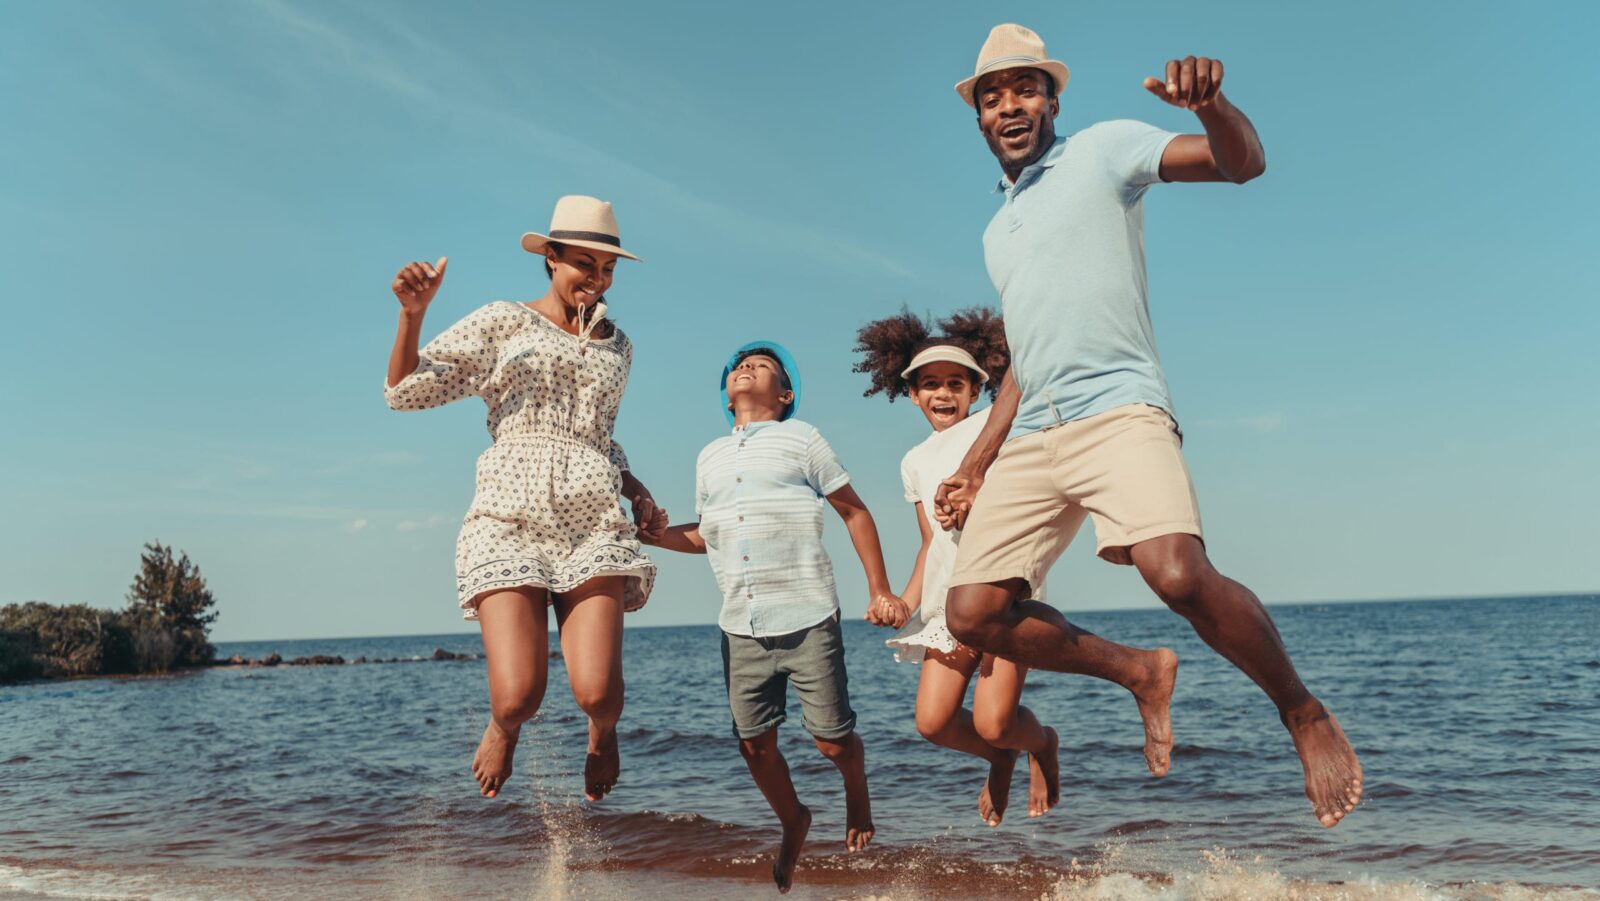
[
  {"x": 943, "y": 377},
  {"x": 545, "y": 527}
]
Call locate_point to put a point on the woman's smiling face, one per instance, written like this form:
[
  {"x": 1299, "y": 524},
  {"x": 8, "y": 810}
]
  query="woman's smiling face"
[
  {"x": 944, "y": 392},
  {"x": 579, "y": 275}
]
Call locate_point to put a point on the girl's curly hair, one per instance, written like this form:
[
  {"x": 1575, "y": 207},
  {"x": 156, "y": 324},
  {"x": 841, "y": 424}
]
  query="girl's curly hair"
[{"x": 887, "y": 345}]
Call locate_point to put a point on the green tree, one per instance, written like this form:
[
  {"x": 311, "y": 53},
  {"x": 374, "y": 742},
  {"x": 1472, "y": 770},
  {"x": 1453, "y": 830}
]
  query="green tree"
[{"x": 173, "y": 589}]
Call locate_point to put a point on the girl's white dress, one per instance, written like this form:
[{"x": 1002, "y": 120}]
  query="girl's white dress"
[
  {"x": 921, "y": 471},
  {"x": 547, "y": 511}
]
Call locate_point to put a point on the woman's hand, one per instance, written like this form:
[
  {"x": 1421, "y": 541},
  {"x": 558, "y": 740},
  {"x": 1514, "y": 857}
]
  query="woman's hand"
[
  {"x": 416, "y": 283},
  {"x": 650, "y": 521}
]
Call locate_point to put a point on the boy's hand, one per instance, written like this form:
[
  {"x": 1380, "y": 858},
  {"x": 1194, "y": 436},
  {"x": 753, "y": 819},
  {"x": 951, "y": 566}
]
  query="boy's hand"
[{"x": 888, "y": 610}]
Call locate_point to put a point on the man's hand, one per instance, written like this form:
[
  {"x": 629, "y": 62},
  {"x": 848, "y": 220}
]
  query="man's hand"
[
  {"x": 650, "y": 520},
  {"x": 887, "y": 610},
  {"x": 416, "y": 283},
  {"x": 953, "y": 501},
  {"x": 1192, "y": 83}
]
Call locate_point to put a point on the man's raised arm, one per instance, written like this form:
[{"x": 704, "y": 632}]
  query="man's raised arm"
[{"x": 1230, "y": 150}]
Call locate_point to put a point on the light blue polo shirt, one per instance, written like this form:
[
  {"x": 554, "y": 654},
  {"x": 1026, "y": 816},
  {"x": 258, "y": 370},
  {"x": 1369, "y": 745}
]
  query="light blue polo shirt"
[
  {"x": 759, "y": 494},
  {"x": 1066, "y": 253}
]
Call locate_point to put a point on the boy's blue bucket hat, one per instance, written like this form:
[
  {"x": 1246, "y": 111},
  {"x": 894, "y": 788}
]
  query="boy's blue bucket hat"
[{"x": 784, "y": 359}]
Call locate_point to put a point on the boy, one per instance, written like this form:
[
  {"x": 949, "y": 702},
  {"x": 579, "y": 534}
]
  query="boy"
[{"x": 758, "y": 492}]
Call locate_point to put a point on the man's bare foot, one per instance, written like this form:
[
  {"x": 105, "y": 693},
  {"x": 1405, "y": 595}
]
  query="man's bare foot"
[
  {"x": 1044, "y": 776},
  {"x": 794, "y": 838},
  {"x": 602, "y": 765},
  {"x": 996, "y": 794},
  {"x": 1333, "y": 774},
  {"x": 1155, "y": 703},
  {"x": 858, "y": 827},
  {"x": 491, "y": 766}
]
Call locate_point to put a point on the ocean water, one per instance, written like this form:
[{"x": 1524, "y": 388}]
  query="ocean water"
[{"x": 1478, "y": 724}]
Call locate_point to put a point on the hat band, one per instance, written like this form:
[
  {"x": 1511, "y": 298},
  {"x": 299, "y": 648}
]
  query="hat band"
[
  {"x": 567, "y": 234},
  {"x": 1007, "y": 59}
]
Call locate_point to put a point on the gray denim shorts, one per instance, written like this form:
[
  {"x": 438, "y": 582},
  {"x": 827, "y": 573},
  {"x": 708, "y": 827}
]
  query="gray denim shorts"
[{"x": 757, "y": 672}]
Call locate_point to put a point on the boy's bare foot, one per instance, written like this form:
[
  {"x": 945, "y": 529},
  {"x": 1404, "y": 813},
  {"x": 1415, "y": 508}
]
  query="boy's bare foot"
[
  {"x": 1155, "y": 703},
  {"x": 491, "y": 766},
  {"x": 602, "y": 765},
  {"x": 996, "y": 794},
  {"x": 1333, "y": 774},
  {"x": 1044, "y": 776},
  {"x": 858, "y": 827},
  {"x": 794, "y": 838}
]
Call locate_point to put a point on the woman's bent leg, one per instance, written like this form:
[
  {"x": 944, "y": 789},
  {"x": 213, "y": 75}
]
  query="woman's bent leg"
[
  {"x": 590, "y": 618},
  {"x": 516, "y": 636}
]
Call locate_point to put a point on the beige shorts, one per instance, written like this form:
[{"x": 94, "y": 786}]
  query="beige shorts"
[{"x": 1122, "y": 467}]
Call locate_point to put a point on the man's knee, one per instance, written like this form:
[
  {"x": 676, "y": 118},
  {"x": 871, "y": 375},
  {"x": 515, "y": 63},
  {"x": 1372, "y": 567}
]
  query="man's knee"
[
  {"x": 973, "y": 612},
  {"x": 1176, "y": 572}
]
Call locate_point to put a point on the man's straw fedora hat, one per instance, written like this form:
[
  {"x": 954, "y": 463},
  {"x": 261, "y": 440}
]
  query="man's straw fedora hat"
[
  {"x": 1012, "y": 47},
  {"x": 580, "y": 221}
]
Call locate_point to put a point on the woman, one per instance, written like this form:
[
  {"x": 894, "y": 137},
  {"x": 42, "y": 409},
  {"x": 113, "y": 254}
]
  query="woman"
[{"x": 545, "y": 526}]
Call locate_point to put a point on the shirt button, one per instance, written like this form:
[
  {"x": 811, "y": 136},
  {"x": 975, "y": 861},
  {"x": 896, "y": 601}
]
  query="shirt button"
[
  {"x": 741, "y": 519},
  {"x": 749, "y": 595},
  {"x": 747, "y": 558},
  {"x": 738, "y": 478}
]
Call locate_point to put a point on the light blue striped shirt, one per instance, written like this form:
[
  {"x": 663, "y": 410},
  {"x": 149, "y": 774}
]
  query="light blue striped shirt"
[{"x": 759, "y": 494}]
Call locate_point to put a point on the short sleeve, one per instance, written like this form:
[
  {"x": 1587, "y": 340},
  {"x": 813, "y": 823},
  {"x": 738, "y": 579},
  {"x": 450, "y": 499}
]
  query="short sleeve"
[
  {"x": 823, "y": 469},
  {"x": 908, "y": 481},
  {"x": 457, "y": 364},
  {"x": 1133, "y": 151},
  {"x": 619, "y": 458}
]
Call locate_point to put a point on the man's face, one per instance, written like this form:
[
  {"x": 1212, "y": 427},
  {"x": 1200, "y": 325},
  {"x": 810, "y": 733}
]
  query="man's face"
[
  {"x": 758, "y": 378},
  {"x": 1016, "y": 115}
]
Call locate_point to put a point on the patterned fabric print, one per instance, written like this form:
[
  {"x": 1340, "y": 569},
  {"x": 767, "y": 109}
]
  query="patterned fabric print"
[{"x": 547, "y": 511}]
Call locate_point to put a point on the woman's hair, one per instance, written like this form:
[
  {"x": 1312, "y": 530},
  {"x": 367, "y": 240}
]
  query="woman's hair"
[{"x": 887, "y": 346}]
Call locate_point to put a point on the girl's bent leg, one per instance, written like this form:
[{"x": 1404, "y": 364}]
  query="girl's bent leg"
[
  {"x": 1003, "y": 721},
  {"x": 942, "y": 720},
  {"x": 590, "y": 618},
  {"x": 516, "y": 647}
]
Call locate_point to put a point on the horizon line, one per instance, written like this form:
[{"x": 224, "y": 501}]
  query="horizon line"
[{"x": 1405, "y": 600}]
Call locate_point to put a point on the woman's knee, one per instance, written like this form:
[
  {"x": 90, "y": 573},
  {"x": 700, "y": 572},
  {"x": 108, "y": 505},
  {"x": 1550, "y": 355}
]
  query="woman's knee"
[
  {"x": 600, "y": 699},
  {"x": 518, "y": 704}
]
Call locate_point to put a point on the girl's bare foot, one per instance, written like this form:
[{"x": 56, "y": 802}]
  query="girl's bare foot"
[
  {"x": 1044, "y": 776},
  {"x": 1333, "y": 774},
  {"x": 1155, "y": 702},
  {"x": 996, "y": 794},
  {"x": 794, "y": 838},
  {"x": 491, "y": 766},
  {"x": 602, "y": 765}
]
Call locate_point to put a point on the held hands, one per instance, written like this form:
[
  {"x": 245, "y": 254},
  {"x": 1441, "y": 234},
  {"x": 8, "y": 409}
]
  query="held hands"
[
  {"x": 1192, "y": 83},
  {"x": 954, "y": 499},
  {"x": 648, "y": 519},
  {"x": 416, "y": 283},
  {"x": 887, "y": 610}
]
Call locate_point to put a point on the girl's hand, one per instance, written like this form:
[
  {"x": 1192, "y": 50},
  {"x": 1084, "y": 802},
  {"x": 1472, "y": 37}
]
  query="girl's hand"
[
  {"x": 887, "y": 610},
  {"x": 416, "y": 283}
]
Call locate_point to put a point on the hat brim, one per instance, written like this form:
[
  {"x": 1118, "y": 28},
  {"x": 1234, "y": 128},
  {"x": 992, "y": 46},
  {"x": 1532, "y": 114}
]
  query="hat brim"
[
  {"x": 1054, "y": 67},
  {"x": 945, "y": 353},
  {"x": 784, "y": 360},
  {"x": 533, "y": 242}
]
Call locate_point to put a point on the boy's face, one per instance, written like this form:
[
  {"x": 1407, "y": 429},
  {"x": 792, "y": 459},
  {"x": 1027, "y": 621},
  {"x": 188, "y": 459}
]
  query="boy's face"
[
  {"x": 944, "y": 392},
  {"x": 758, "y": 378}
]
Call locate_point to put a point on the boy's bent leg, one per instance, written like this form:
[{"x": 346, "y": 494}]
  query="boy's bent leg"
[
  {"x": 815, "y": 666},
  {"x": 1231, "y": 619},
  {"x": 995, "y": 618},
  {"x": 771, "y": 773},
  {"x": 516, "y": 649},
  {"x": 590, "y": 618}
]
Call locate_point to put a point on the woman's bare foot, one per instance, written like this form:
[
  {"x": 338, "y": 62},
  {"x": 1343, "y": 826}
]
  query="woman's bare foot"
[
  {"x": 491, "y": 766},
  {"x": 1155, "y": 703},
  {"x": 602, "y": 765},
  {"x": 858, "y": 827},
  {"x": 996, "y": 794},
  {"x": 1044, "y": 776},
  {"x": 794, "y": 838},
  {"x": 1333, "y": 774}
]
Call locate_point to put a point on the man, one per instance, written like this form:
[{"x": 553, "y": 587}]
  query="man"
[{"x": 1082, "y": 425}]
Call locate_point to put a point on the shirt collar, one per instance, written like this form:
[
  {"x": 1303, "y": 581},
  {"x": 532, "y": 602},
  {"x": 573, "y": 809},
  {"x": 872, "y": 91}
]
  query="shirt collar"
[
  {"x": 1034, "y": 171},
  {"x": 752, "y": 428}
]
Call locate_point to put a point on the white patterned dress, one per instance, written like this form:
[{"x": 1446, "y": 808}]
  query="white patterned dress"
[{"x": 547, "y": 511}]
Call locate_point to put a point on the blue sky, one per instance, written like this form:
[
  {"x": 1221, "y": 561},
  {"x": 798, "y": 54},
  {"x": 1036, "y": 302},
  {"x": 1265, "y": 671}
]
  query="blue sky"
[{"x": 1381, "y": 351}]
